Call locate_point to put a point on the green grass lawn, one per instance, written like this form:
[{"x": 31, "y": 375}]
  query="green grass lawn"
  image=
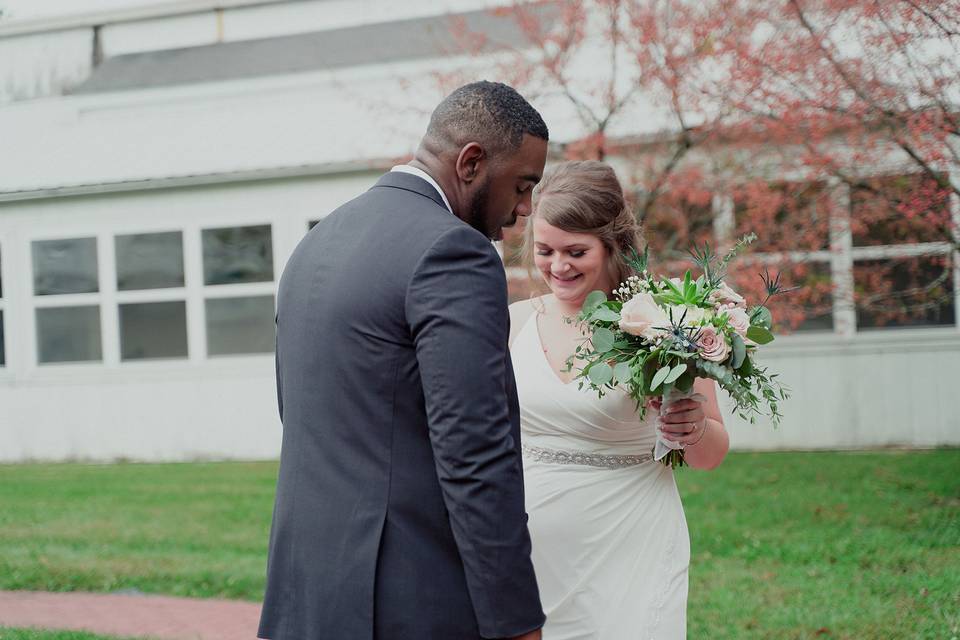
[
  {"x": 785, "y": 545},
  {"x": 35, "y": 634}
]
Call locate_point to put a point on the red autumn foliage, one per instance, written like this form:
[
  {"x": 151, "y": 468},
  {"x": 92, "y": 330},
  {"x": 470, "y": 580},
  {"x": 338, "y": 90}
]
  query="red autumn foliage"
[{"x": 801, "y": 113}]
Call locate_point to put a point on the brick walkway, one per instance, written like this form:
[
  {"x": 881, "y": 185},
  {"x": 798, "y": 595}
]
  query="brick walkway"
[{"x": 131, "y": 615}]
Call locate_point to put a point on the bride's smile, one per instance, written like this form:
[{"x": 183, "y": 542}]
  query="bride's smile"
[{"x": 572, "y": 264}]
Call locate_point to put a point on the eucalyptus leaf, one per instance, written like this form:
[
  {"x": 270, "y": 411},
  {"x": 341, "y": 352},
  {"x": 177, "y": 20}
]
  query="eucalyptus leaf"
[
  {"x": 739, "y": 351},
  {"x": 622, "y": 373},
  {"x": 594, "y": 300},
  {"x": 659, "y": 377},
  {"x": 602, "y": 340},
  {"x": 601, "y": 374},
  {"x": 759, "y": 335},
  {"x": 675, "y": 373},
  {"x": 605, "y": 314},
  {"x": 761, "y": 317}
]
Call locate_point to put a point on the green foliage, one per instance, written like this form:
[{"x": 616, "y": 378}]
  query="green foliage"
[
  {"x": 739, "y": 351},
  {"x": 601, "y": 374},
  {"x": 602, "y": 340},
  {"x": 760, "y": 335},
  {"x": 660, "y": 377}
]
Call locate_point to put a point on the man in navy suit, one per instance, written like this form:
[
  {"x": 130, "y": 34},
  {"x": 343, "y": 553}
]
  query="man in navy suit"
[{"x": 400, "y": 510}]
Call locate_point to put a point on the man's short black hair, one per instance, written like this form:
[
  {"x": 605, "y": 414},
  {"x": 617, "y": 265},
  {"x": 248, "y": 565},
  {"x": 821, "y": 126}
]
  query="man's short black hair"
[{"x": 490, "y": 113}]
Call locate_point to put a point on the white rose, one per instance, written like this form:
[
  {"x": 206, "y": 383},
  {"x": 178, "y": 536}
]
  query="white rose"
[
  {"x": 642, "y": 316},
  {"x": 691, "y": 315}
]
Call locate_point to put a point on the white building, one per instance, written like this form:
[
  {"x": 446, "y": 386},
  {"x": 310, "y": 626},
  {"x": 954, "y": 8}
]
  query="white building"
[{"x": 158, "y": 165}]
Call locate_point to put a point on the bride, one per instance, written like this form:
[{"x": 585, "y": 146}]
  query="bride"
[{"x": 610, "y": 542}]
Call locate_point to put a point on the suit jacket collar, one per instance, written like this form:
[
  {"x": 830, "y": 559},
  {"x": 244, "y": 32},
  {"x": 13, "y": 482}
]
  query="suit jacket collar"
[{"x": 410, "y": 182}]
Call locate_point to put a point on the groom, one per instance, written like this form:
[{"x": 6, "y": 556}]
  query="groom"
[{"x": 399, "y": 512}]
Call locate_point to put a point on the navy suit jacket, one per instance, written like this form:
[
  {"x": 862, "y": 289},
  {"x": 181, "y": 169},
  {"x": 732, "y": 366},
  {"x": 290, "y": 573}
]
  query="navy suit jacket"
[{"x": 399, "y": 509}]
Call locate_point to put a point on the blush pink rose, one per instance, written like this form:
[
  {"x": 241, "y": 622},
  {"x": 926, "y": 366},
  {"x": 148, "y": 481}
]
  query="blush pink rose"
[
  {"x": 739, "y": 320},
  {"x": 724, "y": 294},
  {"x": 712, "y": 345},
  {"x": 641, "y": 315}
]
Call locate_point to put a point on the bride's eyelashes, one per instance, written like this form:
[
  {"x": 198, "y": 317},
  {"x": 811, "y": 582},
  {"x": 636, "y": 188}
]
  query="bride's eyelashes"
[{"x": 572, "y": 254}]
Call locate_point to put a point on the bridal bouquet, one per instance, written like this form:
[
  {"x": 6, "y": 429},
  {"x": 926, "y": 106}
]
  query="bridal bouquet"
[{"x": 658, "y": 334}]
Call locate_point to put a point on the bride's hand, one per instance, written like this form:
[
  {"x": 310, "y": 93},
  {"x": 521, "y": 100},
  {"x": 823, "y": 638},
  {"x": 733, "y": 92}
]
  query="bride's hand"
[{"x": 684, "y": 422}]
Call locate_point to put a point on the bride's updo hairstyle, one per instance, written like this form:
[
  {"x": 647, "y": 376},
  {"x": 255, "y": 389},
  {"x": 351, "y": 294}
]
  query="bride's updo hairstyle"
[{"x": 584, "y": 196}]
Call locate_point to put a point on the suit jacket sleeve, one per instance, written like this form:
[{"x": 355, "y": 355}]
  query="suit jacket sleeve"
[{"x": 457, "y": 310}]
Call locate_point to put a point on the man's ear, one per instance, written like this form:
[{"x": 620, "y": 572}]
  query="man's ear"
[{"x": 470, "y": 162}]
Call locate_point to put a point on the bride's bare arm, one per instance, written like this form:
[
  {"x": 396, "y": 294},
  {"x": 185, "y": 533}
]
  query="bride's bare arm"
[{"x": 699, "y": 426}]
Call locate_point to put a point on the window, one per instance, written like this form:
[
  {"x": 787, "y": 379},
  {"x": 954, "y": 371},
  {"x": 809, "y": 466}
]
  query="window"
[
  {"x": 904, "y": 292},
  {"x": 66, "y": 289},
  {"x": 69, "y": 334},
  {"x": 903, "y": 270},
  {"x": 65, "y": 266},
  {"x": 676, "y": 223},
  {"x": 236, "y": 255},
  {"x": 786, "y": 216},
  {"x": 149, "y": 261},
  {"x": 240, "y": 325},
  {"x": 238, "y": 290},
  {"x": 151, "y": 296}
]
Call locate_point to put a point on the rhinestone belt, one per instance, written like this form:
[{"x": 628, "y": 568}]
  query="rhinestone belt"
[{"x": 583, "y": 458}]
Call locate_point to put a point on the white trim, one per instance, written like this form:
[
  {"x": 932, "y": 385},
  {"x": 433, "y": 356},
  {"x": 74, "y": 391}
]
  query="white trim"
[
  {"x": 324, "y": 169},
  {"x": 193, "y": 278},
  {"x": 883, "y": 252},
  {"x": 841, "y": 261},
  {"x": 109, "y": 312},
  {"x": 91, "y": 19}
]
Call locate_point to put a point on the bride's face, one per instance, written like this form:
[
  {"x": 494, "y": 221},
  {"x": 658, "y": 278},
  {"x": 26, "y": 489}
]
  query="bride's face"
[{"x": 572, "y": 264}]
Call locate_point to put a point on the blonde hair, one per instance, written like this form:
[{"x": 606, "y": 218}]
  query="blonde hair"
[{"x": 584, "y": 196}]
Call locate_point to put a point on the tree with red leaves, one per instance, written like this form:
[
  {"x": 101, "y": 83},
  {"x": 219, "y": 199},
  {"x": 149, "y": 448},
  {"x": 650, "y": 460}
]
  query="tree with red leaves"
[{"x": 830, "y": 128}]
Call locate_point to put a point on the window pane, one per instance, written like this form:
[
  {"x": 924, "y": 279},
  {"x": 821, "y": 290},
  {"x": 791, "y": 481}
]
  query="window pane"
[
  {"x": 153, "y": 330},
  {"x": 814, "y": 296},
  {"x": 808, "y": 307},
  {"x": 786, "y": 216},
  {"x": 65, "y": 266},
  {"x": 899, "y": 210},
  {"x": 68, "y": 334},
  {"x": 3, "y": 346},
  {"x": 237, "y": 254},
  {"x": 904, "y": 292},
  {"x": 678, "y": 222},
  {"x": 149, "y": 260},
  {"x": 240, "y": 325}
]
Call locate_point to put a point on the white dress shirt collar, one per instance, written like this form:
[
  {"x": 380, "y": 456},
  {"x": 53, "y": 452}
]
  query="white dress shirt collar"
[{"x": 420, "y": 173}]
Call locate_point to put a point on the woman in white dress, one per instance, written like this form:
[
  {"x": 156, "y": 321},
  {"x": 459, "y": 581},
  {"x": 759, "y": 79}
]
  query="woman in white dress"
[{"x": 610, "y": 542}]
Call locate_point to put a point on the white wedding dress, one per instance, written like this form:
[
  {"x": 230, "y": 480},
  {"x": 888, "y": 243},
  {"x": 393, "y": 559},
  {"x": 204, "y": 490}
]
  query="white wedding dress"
[{"x": 610, "y": 542}]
